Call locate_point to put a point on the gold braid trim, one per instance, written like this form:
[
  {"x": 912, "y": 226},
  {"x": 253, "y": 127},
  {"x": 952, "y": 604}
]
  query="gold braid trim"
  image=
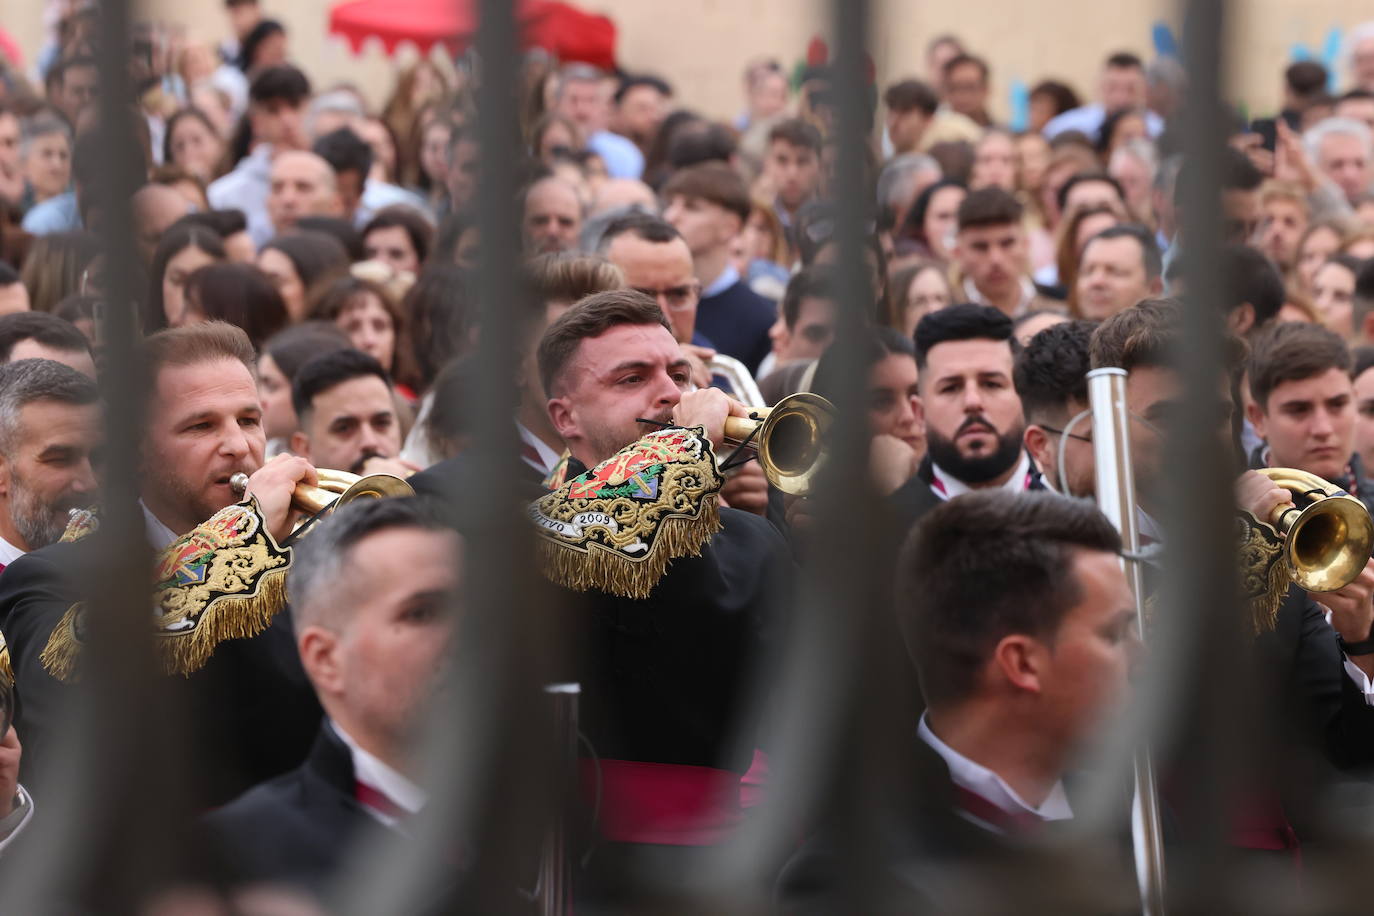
[
  {"x": 226, "y": 579},
  {"x": 608, "y": 570},
  {"x": 1264, "y": 576},
  {"x": 616, "y": 527}
]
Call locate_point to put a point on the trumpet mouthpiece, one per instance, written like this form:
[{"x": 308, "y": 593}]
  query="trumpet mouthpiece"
[{"x": 239, "y": 483}]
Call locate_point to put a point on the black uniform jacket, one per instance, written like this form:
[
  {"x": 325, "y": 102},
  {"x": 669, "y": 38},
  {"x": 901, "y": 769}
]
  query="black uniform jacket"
[
  {"x": 250, "y": 711},
  {"x": 296, "y": 828}
]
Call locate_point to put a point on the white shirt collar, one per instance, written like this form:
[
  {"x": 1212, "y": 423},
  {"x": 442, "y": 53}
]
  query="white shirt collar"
[
  {"x": 728, "y": 278},
  {"x": 983, "y": 782},
  {"x": 159, "y": 535},
  {"x": 370, "y": 771},
  {"x": 951, "y": 487},
  {"x": 9, "y": 553},
  {"x": 548, "y": 458},
  {"x": 973, "y": 294}
]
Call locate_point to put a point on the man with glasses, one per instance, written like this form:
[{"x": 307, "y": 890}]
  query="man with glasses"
[
  {"x": 1051, "y": 380},
  {"x": 709, "y": 204}
]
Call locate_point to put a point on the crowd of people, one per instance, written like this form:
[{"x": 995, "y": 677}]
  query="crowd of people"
[{"x": 307, "y": 305}]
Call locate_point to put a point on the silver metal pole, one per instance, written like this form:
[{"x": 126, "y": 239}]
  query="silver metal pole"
[
  {"x": 555, "y": 866},
  {"x": 1116, "y": 499}
]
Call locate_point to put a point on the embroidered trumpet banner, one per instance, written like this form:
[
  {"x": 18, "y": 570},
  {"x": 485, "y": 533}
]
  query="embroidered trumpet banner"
[{"x": 616, "y": 527}]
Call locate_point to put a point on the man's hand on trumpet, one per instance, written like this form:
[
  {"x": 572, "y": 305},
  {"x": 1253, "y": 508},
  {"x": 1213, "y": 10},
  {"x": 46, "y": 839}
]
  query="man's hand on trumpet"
[
  {"x": 273, "y": 484},
  {"x": 1260, "y": 496}
]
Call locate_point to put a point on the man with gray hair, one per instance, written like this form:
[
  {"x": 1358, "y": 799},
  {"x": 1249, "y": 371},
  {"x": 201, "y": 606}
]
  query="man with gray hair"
[
  {"x": 900, "y": 182},
  {"x": 584, "y": 97},
  {"x": 1342, "y": 150},
  {"x": 49, "y": 431},
  {"x": 373, "y": 594}
]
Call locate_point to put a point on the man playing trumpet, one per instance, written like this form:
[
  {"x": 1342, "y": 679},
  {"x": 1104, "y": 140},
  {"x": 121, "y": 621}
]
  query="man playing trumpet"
[{"x": 253, "y": 710}]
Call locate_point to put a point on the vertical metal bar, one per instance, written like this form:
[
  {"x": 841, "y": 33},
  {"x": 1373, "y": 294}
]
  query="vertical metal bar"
[
  {"x": 106, "y": 836},
  {"x": 1199, "y": 588},
  {"x": 489, "y": 759},
  {"x": 1117, "y": 500},
  {"x": 554, "y": 891}
]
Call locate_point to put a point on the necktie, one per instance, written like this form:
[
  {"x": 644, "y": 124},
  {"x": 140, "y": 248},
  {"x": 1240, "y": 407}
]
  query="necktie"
[
  {"x": 378, "y": 802},
  {"x": 1009, "y": 822}
]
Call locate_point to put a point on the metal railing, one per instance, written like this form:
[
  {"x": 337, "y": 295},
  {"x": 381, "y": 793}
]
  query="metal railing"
[{"x": 111, "y": 842}]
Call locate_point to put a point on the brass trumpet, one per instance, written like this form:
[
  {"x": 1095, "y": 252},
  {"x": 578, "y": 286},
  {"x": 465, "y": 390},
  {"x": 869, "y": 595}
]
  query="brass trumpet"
[
  {"x": 335, "y": 489},
  {"x": 1327, "y": 533},
  {"x": 789, "y": 439}
]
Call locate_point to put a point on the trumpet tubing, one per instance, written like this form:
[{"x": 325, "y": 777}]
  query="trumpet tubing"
[{"x": 789, "y": 439}]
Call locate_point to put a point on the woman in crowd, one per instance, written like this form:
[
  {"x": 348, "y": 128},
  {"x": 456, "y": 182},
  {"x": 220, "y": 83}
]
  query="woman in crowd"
[
  {"x": 239, "y": 294},
  {"x": 1320, "y": 241},
  {"x": 934, "y": 218},
  {"x": 419, "y": 85},
  {"x": 192, "y": 143},
  {"x": 182, "y": 251},
  {"x": 1333, "y": 293},
  {"x": 298, "y": 262},
  {"x": 915, "y": 290},
  {"x": 431, "y": 169},
  {"x": 371, "y": 318},
  {"x": 60, "y": 265},
  {"x": 895, "y": 419},
  {"x": 398, "y": 236},
  {"x": 1074, "y": 234}
]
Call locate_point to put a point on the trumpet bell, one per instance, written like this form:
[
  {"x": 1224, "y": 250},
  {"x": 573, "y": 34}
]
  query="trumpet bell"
[
  {"x": 1328, "y": 534},
  {"x": 1329, "y": 543},
  {"x": 792, "y": 442},
  {"x": 789, "y": 439}
]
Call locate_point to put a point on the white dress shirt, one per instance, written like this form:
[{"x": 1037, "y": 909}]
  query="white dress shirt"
[
  {"x": 159, "y": 535},
  {"x": 370, "y": 771},
  {"x": 986, "y": 784},
  {"x": 951, "y": 487},
  {"x": 9, "y": 553},
  {"x": 548, "y": 458}
]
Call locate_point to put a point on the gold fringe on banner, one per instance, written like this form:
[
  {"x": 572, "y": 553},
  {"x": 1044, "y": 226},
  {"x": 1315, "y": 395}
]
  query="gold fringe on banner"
[
  {"x": 616, "y": 527},
  {"x": 226, "y": 579}
]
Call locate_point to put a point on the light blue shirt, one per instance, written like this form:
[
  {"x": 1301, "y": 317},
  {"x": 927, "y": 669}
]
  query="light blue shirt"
[
  {"x": 380, "y": 194},
  {"x": 728, "y": 278},
  {"x": 1088, "y": 119},
  {"x": 246, "y": 188},
  {"x": 623, "y": 159},
  {"x": 56, "y": 214}
]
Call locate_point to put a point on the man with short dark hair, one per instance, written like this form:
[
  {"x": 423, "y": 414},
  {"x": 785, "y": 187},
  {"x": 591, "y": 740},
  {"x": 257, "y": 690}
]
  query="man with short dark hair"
[
  {"x": 609, "y": 364},
  {"x": 347, "y": 414},
  {"x": 1090, "y": 189},
  {"x": 72, "y": 85},
  {"x": 709, "y": 204},
  {"x": 39, "y": 335},
  {"x": 1020, "y": 658},
  {"x": 1303, "y": 404},
  {"x": 975, "y": 427},
  {"x": 14, "y": 295},
  {"x": 657, "y": 261},
  {"x": 992, "y": 254},
  {"x": 965, "y": 88},
  {"x": 1117, "y": 268},
  {"x": 373, "y": 592},
  {"x": 49, "y": 433},
  {"x": 350, "y": 160},
  {"x": 1121, "y": 85},
  {"x": 641, "y": 103},
  {"x": 1051, "y": 381},
  {"x": 808, "y": 315},
  {"x": 1022, "y": 654},
  {"x": 1240, "y": 204},
  {"x": 911, "y": 105},
  {"x": 1252, "y": 289},
  {"x": 276, "y": 109},
  {"x": 1358, "y": 105},
  {"x": 792, "y": 166}
]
